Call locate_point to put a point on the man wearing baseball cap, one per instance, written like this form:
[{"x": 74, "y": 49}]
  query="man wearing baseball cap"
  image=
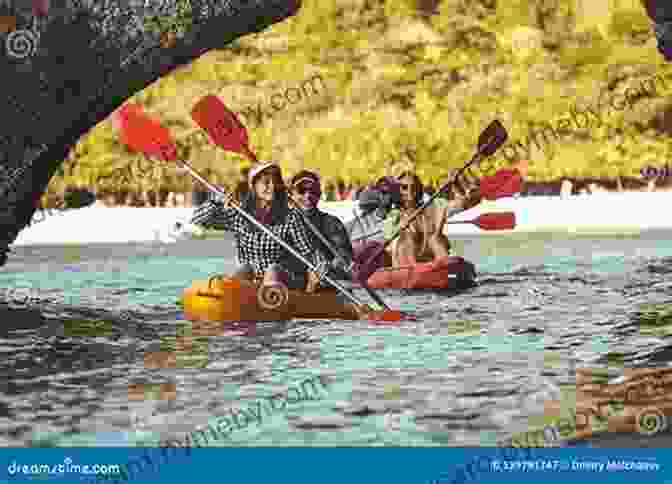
[{"x": 306, "y": 191}]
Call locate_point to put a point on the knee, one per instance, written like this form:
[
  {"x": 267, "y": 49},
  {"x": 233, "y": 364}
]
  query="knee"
[
  {"x": 439, "y": 240},
  {"x": 405, "y": 242}
]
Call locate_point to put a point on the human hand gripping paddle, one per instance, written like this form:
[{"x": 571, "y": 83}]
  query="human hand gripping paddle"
[
  {"x": 147, "y": 135},
  {"x": 226, "y": 131},
  {"x": 489, "y": 141}
]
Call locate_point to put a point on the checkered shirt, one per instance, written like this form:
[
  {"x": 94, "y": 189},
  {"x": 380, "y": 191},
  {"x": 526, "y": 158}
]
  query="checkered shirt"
[{"x": 255, "y": 247}]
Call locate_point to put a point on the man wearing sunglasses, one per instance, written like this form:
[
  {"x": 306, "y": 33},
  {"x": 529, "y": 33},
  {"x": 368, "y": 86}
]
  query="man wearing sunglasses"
[{"x": 306, "y": 191}]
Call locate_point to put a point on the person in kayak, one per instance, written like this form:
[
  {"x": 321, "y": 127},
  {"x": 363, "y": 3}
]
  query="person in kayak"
[
  {"x": 424, "y": 239},
  {"x": 306, "y": 191},
  {"x": 374, "y": 203},
  {"x": 260, "y": 258}
]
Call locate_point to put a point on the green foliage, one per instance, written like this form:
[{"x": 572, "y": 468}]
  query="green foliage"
[
  {"x": 395, "y": 81},
  {"x": 591, "y": 50},
  {"x": 625, "y": 23},
  {"x": 178, "y": 24}
]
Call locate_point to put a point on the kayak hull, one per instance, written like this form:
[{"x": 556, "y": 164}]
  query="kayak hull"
[
  {"x": 225, "y": 299},
  {"x": 447, "y": 273}
]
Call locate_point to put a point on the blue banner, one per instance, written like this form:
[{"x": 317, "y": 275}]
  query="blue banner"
[{"x": 336, "y": 465}]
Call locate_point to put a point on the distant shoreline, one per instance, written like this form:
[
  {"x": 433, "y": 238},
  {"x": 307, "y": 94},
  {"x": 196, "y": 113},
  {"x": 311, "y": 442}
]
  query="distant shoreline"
[{"x": 604, "y": 214}]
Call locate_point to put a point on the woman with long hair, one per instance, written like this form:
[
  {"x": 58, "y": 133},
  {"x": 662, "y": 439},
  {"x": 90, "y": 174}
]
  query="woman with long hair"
[
  {"x": 260, "y": 258},
  {"x": 424, "y": 239}
]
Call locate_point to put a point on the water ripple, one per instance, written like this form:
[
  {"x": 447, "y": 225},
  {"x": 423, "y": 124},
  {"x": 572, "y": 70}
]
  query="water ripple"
[{"x": 78, "y": 346}]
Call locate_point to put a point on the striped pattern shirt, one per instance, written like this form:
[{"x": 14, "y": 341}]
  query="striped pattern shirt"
[{"x": 255, "y": 247}]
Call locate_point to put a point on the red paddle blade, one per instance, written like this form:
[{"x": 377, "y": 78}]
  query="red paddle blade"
[
  {"x": 142, "y": 133},
  {"x": 119, "y": 117},
  {"x": 496, "y": 221},
  {"x": 504, "y": 183},
  {"x": 389, "y": 316},
  {"x": 221, "y": 124}
]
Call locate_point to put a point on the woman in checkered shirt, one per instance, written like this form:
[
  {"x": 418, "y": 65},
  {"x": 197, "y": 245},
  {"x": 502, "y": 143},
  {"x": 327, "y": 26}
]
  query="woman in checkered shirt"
[{"x": 262, "y": 259}]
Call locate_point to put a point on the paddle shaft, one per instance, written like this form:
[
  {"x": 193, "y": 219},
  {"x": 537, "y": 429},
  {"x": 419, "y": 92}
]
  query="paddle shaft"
[
  {"x": 477, "y": 157},
  {"x": 247, "y": 152},
  {"x": 448, "y": 222},
  {"x": 337, "y": 253},
  {"x": 475, "y": 222},
  {"x": 268, "y": 232}
]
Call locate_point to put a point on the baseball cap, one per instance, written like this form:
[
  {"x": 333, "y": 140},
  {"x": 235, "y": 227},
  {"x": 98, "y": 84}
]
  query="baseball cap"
[
  {"x": 261, "y": 167},
  {"x": 305, "y": 176}
]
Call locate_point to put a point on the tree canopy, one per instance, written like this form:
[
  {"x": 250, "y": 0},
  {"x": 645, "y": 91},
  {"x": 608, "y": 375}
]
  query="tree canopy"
[{"x": 398, "y": 79}]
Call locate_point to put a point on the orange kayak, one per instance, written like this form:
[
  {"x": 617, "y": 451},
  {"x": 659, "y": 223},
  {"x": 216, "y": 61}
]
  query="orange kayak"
[
  {"x": 225, "y": 299},
  {"x": 451, "y": 272}
]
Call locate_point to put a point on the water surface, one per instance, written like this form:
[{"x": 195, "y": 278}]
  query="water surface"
[{"x": 78, "y": 323}]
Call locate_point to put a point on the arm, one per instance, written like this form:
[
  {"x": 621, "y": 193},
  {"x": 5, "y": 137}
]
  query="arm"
[
  {"x": 441, "y": 208},
  {"x": 300, "y": 239},
  {"x": 337, "y": 234},
  {"x": 214, "y": 214},
  {"x": 391, "y": 223}
]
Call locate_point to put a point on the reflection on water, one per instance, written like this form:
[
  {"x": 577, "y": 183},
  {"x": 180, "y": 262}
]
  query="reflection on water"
[{"x": 96, "y": 351}]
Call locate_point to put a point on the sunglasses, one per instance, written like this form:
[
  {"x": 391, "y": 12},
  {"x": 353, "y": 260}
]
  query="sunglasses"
[{"x": 303, "y": 191}]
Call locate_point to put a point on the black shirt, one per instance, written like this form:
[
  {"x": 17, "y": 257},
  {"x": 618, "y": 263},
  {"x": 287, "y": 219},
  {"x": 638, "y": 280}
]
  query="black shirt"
[{"x": 335, "y": 232}]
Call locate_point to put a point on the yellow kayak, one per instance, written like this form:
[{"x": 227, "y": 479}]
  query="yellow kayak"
[{"x": 222, "y": 298}]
